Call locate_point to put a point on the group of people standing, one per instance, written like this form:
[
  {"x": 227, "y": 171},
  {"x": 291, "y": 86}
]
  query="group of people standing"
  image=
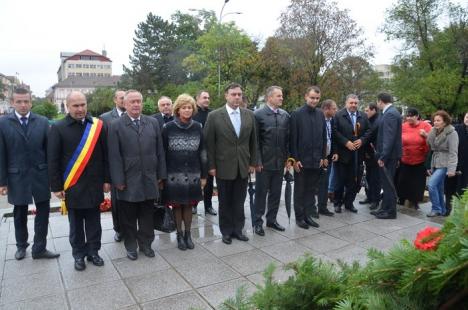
[{"x": 174, "y": 156}]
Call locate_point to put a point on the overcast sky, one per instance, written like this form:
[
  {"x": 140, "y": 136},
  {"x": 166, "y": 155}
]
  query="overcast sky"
[{"x": 33, "y": 33}]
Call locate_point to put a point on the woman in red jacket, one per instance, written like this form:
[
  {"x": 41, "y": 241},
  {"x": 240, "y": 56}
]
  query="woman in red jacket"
[{"x": 412, "y": 175}]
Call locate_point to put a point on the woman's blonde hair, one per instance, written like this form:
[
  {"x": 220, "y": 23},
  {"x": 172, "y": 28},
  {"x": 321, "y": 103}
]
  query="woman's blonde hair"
[{"x": 183, "y": 100}]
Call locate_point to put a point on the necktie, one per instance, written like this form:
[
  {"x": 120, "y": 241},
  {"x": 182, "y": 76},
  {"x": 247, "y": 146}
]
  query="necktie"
[
  {"x": 137, "y": 123},
  {"x": 353, "y": 119},
  {"x": 24, "y": 122},
  {"x": 236, "y": 122}
]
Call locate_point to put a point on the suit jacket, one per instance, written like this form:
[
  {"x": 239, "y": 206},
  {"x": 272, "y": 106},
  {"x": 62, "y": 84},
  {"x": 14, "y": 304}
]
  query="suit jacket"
[
  {"x": 161, "y": 120},
  {"x": 227, "y": 153},
  {"x": 343, "y": 131},
  {"x": 109, "y": 116},
  {"x": 389, "y": 135},
  {"x": 23, "y": 159},
  {"x": 64, "y": 137},
  {"x": 137, "y": 158}
]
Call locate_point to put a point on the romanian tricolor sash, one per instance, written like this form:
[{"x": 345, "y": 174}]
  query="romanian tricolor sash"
[{"x": 82, "y": 154}]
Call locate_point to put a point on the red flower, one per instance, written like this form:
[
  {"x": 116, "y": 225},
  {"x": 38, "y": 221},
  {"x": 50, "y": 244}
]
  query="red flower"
[
  {"x": 106, "y": 205},
  {"x": 428, "y": 239}
]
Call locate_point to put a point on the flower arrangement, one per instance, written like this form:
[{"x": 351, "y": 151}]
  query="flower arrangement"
[{"x": 428, "y": 238}]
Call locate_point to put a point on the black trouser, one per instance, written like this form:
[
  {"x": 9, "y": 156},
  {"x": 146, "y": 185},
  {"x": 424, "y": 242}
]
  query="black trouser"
[
  {"x": 41, "y": 223},
  {"x": 373, "y": 180},
  {"x": 267, "y": 182},
  {"x": 305, "y": 188},
  {"x": 348, "y": 181},
  {"x": 85, "y": 231},
  {"x": 231, "y": 197},
  {"x": 450, "y": 189},
  {"x": 322, "y": 195},
  {"x": 208, "y": 192},
  {"x": 136, "y": 220},
  {"x": 387, "y": 177},
  {"x": 115, "y": 210}
]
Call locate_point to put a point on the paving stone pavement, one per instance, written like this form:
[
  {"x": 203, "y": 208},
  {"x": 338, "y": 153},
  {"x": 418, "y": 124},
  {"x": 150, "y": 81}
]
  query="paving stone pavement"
[{"x": 199, "y": 279}]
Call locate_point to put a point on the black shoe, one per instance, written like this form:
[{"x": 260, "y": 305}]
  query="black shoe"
[
  {"x": 385, "y": 216},
  {"x": 20, "y": 254},
  {"x": 147, "y": 251},
  {"x": 181, "y": 242},
  {"x": 352, "y": 209},
  {"x": 227, "y": 239},
  {"x": 194, "y": 210},
  {"x": 337, "y": 209},
  {"x": 376, "y": 211},
  {"x": 326, "y": 212},
  {"x": 118, "y": 237},
  {"x": 374, "y": 206},
  {"x": 309, "y": 221},
  {"x": 365, "y": 201},
  {"x": 258, "y": 229},
  {"x": 210, "y": 211},
  {"x": 45, "y": 254},
  {"x": 240, "y": 237},
  {"x": 276, "y": 226},
  {"x": 188, "y": 240},
  {"x": 302, "y": 224},
  {"x": 80, "y": 264},
  {"x": 132, "y": 255},
  {"x": 96, "y": 260}
]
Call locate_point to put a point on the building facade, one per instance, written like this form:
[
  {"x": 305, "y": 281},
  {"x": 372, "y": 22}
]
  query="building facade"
[{"x": 84, "y": 64}]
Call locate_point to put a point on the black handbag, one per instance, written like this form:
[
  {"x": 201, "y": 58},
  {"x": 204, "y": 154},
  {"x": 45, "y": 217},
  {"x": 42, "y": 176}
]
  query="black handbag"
[{"x": 164, "y": 219}]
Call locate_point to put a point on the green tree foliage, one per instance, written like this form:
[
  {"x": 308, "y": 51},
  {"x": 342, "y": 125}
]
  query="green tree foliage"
[
  {"x": 430, "y": 72},
  {"x": 149, "y": 106},
  {"x": 100, "y": 101},
  {"x": 45, "y": 108}
]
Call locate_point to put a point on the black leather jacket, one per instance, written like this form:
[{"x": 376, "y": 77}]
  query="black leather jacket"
[{"x": 273, "y": 138}]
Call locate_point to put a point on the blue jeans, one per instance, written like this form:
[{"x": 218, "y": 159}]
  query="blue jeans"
[{"x": 435, "y": 187}]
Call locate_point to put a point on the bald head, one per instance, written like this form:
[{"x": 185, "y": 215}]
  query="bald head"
[{"x": 76, "y": 105}]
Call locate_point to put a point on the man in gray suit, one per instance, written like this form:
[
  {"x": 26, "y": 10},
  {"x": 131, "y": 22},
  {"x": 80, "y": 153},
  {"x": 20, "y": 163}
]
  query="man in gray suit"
[
  {"x": 137, "y": 168},
  {"x": 388, "y": 154},
  {"x": 107, "y": 117},
  {"x": 231, "y": 146},
  {"x": 23, "y": 172}
]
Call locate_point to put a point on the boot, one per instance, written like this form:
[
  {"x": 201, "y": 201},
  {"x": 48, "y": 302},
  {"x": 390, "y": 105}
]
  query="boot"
[
  {"x": 188, "y": 240},
  {"x": 180, "y": 242}
]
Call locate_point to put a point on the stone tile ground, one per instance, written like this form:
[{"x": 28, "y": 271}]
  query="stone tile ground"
[{"x": 199, "y": 279}]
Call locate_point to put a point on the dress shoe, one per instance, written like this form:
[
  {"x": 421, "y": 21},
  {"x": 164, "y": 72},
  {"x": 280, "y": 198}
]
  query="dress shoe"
[
  {"x": 352, "y": 209},
  {"x": 210, "y": 211},
  {"x": 80, "y": 264},
  {"x": 309, "y": 221},
  {"x": 96, "y": 260},
  {"x": 385, "y": 216},
  {"x": 376, "y": 211},
  {"x": 188, "y": 240},
  {"x": 194, "y": 210},
  {"x": 365, "y": 201},
  {"x": 302, "y": 224},
  {"x": 374, "y": 206},
  {"x": 240, "y": 237},
  {"x": 118, "y": 237},
  {"x": 132, "y": 255},
  {"x": 326, "y": 212},
  {"x": 337, "y": 209},
  {"x": 20, "y": 254},
  {"x": 258, "y": 229},
  {"x": 181, "y": 242},
  {"x": 276, "y": 226},
  {"x": 45, "y": 254},
  {"x": 227, "y": 239},
  {"x": 147, "y": 251},
  {"x": 433, "y": 214}
]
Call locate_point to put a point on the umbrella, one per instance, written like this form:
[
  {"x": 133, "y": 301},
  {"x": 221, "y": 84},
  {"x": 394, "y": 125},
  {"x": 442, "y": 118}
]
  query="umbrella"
[
  {"x": 288, "y": 177},
  {"x": 251, "y": 191}
]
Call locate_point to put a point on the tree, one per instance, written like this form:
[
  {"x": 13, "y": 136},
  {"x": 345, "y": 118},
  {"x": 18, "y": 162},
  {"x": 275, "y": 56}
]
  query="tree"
[
  {"x": 149, "y": 106},
  {"x": 100, "y": 101},
  {"x": 46, "y": 108}
]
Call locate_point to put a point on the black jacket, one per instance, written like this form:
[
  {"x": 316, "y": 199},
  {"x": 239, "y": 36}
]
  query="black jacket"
[
  {"x": 389, "y": 144},
  {"x": 343, "y": 132},
  {"x": 369, "y": 148},
  {"x": 64, "y": 137},
  {"x": 201, "y": 115},
  {"x": 162, "y": 119},
  {"x": 308, "y": 136},
  {"x": 273, "y": 138}
]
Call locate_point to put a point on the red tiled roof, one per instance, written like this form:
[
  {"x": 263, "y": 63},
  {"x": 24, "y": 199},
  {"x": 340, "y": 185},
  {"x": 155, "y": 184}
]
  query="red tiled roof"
[{"x": 88, "y": 53}]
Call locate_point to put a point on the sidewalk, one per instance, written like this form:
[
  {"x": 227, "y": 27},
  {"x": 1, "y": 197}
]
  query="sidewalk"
[{"x": 201, "y": 278}]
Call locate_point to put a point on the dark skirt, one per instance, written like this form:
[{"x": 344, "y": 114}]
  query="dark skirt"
[{"x": 411, "y": 182}]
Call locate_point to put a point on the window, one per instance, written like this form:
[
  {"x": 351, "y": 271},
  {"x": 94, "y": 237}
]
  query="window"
[
  {"x": 86, "y": 74},
  {"x": 92, "y": 66},
  {"x": 78, "y": 74},
  {"x": 78, "y": 65},
  {"x": 86, "y": 66},
  {"x": 71, "y": 65}
]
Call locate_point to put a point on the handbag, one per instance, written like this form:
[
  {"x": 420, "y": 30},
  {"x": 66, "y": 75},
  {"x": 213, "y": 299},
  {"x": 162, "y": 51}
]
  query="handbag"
[{"x": 164, "y": 219}]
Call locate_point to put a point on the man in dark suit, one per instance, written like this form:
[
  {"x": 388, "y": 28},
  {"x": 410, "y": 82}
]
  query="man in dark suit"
[
  {"x": 83, "y": 198},
  {"x": 231, "y": 146},
  {"x": 23, "y": 172},
  {"x": 107, "y": 117},
  {"x": 203, "y": 102},
  {"x": 165, "y": 111},
  {"x": 138, "y": 167},
  {"x": 351, "y": 132},
  {"x": 308, "y": 147},
  {"x": 389, "y": 151},
  {"x": 272, "y": 125}
]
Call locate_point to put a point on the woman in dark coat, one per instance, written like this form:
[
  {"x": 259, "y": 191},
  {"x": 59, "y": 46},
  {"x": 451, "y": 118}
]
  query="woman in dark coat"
[{"x": 186, "y": 166}]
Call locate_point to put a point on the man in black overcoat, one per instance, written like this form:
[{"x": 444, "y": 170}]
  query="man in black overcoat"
[
  {"x": 138, "y": 167},
  {"x": 107, "y": 117},
  {"x": 23, "y": 172},
  {"x": 83, "y": 198}
]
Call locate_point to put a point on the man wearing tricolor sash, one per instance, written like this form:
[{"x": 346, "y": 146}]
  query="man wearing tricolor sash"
[{"x": 79, "y": 175}]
